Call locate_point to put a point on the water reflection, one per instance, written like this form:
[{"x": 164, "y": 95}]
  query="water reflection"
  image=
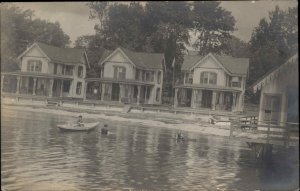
[{"x": 35, "y": 154}]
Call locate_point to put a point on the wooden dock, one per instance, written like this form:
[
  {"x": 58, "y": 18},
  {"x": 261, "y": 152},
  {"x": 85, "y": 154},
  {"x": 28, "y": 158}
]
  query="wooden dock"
[{"x": 261, "y": 136}]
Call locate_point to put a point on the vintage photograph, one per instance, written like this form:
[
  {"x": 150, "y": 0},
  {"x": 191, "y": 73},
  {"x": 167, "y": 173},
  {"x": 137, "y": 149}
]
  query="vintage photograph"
[{"x": 150, "y": 96}]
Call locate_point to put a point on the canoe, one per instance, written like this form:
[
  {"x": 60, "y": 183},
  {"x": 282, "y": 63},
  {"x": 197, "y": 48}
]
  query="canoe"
[{"x": 75, "y": 127}]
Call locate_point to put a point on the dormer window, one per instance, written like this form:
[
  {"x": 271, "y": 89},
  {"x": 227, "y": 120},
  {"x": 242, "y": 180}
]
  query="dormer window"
[
  {"x": 208, "y": 78},
  {"x": 34, "y": 66}
]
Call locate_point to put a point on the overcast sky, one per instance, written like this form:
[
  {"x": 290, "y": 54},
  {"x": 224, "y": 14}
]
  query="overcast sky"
[{"x": 74, "y": 16}]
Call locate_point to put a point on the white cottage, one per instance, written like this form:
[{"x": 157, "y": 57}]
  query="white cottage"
[
  {"x": 128, "y": 77},
  {"x": 212, "y": 82},
  {"x": 279, "y": 98},
  {"x": 48, "y": 71}
]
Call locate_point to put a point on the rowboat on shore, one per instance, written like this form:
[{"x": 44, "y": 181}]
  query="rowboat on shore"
[{"x": 76, "y": 127}]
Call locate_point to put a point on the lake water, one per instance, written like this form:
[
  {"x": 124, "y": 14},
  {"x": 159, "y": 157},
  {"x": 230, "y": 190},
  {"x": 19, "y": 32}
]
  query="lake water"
[{"x": 36, "y": 155}]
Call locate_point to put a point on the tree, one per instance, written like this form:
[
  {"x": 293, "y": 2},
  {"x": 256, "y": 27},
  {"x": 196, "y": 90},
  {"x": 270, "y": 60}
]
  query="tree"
[
  {"x": 273, "y": 41},
  {"x": 213, "y": 24},
  {"x": 19, "y": 30},
  {"x": 156, "y": 27}
]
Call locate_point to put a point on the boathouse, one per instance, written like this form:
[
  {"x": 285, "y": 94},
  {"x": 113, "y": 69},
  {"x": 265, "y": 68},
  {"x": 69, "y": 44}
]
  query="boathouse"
[
  {"x": 279, "y": 96},
  {"x": 48, "y": 71},
  {"x": 128, "y": 77},
  {"x": 213, "y": 82}
]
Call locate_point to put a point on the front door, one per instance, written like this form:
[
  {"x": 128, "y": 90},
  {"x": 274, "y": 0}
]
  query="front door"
[
  {"x": 115, "y": 92},
  {"x": 206, "y": 98}
]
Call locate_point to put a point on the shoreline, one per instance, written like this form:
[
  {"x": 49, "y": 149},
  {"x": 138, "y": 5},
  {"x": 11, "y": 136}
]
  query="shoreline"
[
  {"x": 185, "y": 123},
  {"x": 179, "y": 122}
]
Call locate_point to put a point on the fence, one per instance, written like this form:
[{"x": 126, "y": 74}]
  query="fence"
[{"x": 268, "y": 132}]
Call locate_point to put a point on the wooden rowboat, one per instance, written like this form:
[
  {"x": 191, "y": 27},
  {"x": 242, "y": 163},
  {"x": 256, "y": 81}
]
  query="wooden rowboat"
[{"x": 76, "y": 127}]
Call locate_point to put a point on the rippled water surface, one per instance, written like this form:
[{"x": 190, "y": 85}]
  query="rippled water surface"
[{"x": 36, "y": 155}]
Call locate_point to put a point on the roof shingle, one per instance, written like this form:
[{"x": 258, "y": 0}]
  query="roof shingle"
[
  {"x": 237, "y": 66},
  {"x": 64, "y": 55},
  {"x": 141, "y": 59}
]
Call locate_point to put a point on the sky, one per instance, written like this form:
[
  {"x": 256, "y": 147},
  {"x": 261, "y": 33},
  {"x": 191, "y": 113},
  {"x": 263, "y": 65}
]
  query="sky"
[{"x": 74, "y": 16}]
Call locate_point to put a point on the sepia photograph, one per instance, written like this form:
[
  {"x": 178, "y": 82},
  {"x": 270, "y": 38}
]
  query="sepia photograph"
[{"x": 150, "y": 96}]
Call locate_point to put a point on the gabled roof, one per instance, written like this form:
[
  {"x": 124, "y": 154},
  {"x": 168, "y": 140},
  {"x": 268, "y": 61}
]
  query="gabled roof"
[
  {"x": 62, "y": 55},
  {"x": 274, "y": 72},
  {"x": 140, "y": 59},
  {"x": 235, "y": 66},
  {"x": 189, "y": 61}
]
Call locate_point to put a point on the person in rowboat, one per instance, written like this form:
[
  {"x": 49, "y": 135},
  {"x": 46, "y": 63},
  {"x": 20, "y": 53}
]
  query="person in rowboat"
[
  {"x": 104, "y": 131},
  {"x": 80, "y": 121},
  {"x": 179, "y": 136}
]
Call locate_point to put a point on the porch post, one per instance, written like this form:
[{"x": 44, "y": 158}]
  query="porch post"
[
  {"x": 51, "y": 87},
  {"x": 241, "y": 103},
  {"x": 34, "y": 86},
  {"x": 120, "y": 93},
  {"x": 234, "y": 101},
  {"x": 103, "y": 91},
  {"x": 2, "y": 79},
  {"x": 194, "y": 98},
  {"x": 85, "y": 89},
  {"x": 18, "y": 85},
  {"x": 139, "y": 95},
  {"x": 145, "y": 97},
  {"x": 200, "y": 98},
  {"x": 61, "y": 88},
  {"x": 175, "y": 98},
  {"x": 213, "y": 101}
]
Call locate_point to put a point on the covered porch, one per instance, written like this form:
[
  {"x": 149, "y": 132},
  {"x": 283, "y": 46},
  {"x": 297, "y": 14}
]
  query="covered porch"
[
  {"x": 35, "y": 85},
  {"x": 119, "y": 91},
  {"x": 221, "y": 99}
]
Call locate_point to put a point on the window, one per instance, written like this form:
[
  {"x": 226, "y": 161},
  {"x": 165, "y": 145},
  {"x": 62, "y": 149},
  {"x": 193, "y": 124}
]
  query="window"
[
  {"x": 159, "y": 77},
  {"x": 80, "y": 71},
  {"x": 188, "y": 78},
  {"x": 119, "y": 72},
  {"x": 147, "y": 76},
  {"x": 152, "y": 76},
  {"x": 208, "y": 78},
  {"x": 55, "y": 68},
  {"x": 78, "y": 88},
  {"x": 143, "y": 76},
  {"x": 157, "y": 94},
  {"x": 235, "y": 82},
  {"x": 66, "y": 85},
  {"x": 34, "y": 66},
  {"x": 38, "y": 67},
  {"x": 69, "y": 70},
  {"x": 137, "y": 74}
]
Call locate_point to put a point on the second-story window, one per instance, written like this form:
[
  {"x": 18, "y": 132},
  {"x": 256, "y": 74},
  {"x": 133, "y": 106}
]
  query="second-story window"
[
  {"x": 80, "y": 71},
  {"x": 119, "y": 72},
  {"x": 159, "y": 77},
  {"x": 55, "y": 68},
  {"x": 235, "y": 82},
  {"x": 34, "y": 66},
  {"x": 148, "y": 76},
  {"x": 69, "y": 70},
  {"x": 188, "y": 78},
  {"x": 137, "y": 74},
  {"x": 208, "y": 78}
]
